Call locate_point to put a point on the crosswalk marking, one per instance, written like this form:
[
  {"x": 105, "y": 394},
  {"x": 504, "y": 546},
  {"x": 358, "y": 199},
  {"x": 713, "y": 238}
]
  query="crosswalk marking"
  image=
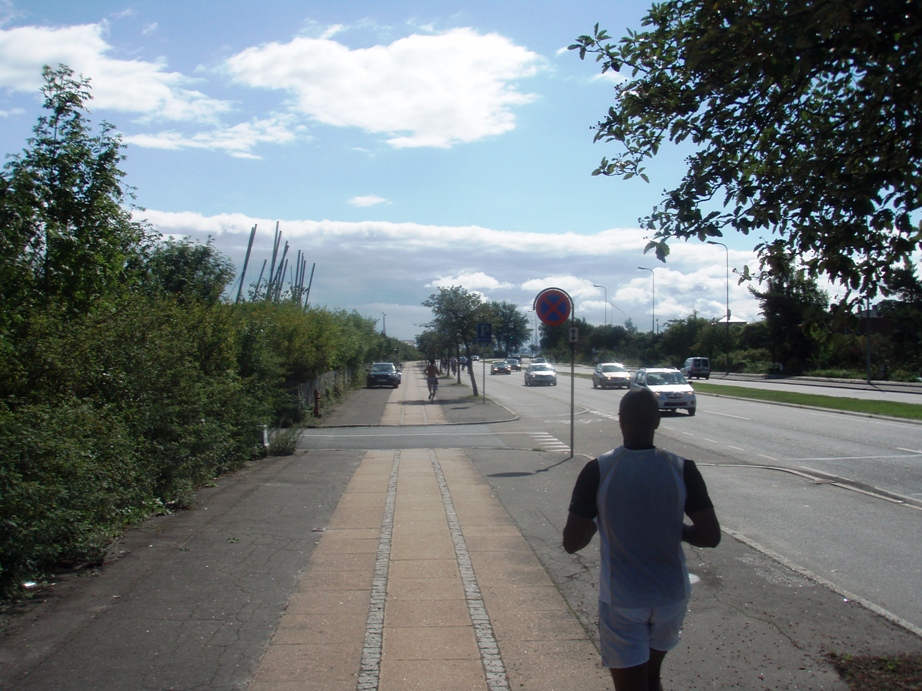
[{"x": 549, "y": 442}]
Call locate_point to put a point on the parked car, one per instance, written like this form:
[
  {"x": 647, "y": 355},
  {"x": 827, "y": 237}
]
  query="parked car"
[
  {"x": 610, "y": 374},
  {"x": 696, "y": 367},
  {"x": 500, "y": 367},
  {"x": 383, "y": 374},
  {"x": 670, "y": 387},
  {"x": 514, "y": 364},
  {"x": 540, "y": 373}
]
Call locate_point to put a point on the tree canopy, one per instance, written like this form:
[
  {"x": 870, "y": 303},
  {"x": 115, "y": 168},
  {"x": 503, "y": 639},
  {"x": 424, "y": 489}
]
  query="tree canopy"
[{"x": 806, "y": 117}]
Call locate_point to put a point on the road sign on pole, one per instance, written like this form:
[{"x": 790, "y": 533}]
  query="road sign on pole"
[
  {"x": 484, "y": 333},
  {"x": 553, "y": 306}
]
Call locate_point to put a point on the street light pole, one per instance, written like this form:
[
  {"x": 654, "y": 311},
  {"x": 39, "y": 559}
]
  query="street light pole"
[
  {"x": 605, "y": 307},
  {"x": 652, "y": 311},
  {"x": 727, "y": 250},
  {"x": 383, "y": 324}
]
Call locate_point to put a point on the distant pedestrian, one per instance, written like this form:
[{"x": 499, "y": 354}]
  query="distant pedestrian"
[
  {"x": 636, "y": 496},
  {"x": 432, "y": 378}
]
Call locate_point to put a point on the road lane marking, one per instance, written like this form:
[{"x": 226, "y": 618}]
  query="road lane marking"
[
  {"x": 735, "y": 417},
  {"x": 549, "y": 442},
  {"x": 771, "y": 458}
]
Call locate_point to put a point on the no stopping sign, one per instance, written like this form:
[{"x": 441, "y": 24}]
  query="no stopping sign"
[{"x": 553, "y": 306}]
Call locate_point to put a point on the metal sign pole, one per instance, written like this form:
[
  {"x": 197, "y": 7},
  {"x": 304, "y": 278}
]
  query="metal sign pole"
[{"x": 573, "y": 337}]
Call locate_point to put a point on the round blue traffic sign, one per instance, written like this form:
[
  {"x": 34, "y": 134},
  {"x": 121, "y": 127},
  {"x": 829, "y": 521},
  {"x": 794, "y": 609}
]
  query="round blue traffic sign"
[{"x": 553, "y": 306}]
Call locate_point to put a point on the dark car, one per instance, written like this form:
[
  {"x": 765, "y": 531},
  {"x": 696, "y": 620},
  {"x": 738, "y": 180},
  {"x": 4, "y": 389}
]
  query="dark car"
[
  {"x": 383, "y": 374},
  {"x": 500, "y": 367},
  {"x": 514, "y": 364}
]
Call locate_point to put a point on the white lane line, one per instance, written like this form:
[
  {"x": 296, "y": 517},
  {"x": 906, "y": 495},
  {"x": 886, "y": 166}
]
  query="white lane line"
[
  {"x": 735, "y": 417},
  {"x": 912, "y": 451},
  {"x": 493, "y": 666},
  {"x": 735, "y": 448},
  {"x": 771, "y": 458}
]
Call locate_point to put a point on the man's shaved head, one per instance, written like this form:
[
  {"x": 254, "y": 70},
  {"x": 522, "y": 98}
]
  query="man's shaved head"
[{"x": 638, "y": 415}]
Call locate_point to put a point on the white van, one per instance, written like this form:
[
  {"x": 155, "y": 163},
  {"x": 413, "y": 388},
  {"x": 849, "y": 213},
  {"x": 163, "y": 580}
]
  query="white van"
[{"x": 696, "y": 367}]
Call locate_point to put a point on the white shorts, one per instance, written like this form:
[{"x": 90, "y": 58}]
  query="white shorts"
[{"x": 628, "y": 634}]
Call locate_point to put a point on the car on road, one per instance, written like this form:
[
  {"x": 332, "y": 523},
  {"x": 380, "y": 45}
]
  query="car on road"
[
  {"x": 383, "y": 374},
  {"x": 540, "y": 373},
  {"x": 610, "y": 374},
  {"x": 669, "y": 386},
  {"x": 514, "y": 364},
  {"x": 696, "y": 367},
  {"x": 500, "y": 367}
]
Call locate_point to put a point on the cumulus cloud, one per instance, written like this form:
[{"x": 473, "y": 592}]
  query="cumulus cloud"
[
  {"x": 134, "y": 86},
  {"x": 419, "y": 91},
  {"x": 364, "y": 264}
]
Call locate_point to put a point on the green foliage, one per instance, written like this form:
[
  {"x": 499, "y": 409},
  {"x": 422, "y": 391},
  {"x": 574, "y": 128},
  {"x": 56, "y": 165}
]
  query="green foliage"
[
  {"x": 803, "y": 116},
  {"x": 456, "y": 315},
  {"x": 71, "y": 236},
  {"x": 794, "y": 308},
  {"x": 510, "y": 327},
  {"x": 125, "y": 381},
  {"x": 188, "y": 270}
]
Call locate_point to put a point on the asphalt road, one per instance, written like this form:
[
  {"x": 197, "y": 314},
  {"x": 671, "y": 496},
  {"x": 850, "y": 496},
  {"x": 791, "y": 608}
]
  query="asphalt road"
[{"x": 835, "y": 494}]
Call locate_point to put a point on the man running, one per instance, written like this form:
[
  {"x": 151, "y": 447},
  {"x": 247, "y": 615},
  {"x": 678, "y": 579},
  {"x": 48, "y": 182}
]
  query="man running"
[{"x": 432, "y": 378}]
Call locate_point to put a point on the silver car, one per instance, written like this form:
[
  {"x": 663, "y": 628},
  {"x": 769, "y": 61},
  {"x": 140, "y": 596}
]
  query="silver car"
[
  {"x": 669, "y": 385},
  {"x": 610, "y": 374},
  {"x": 540, "y": 373}
]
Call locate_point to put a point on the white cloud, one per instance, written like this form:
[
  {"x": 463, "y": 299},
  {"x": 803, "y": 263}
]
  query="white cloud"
[
  {"x": 135, "y": 86},
  {"x": 435, "y": 91},
  {"x": 470, "y": 280},
  {"x": 367, "y": 200},
  {"x": 366, "y": 264},
  {"x": 237, "y": 140}
]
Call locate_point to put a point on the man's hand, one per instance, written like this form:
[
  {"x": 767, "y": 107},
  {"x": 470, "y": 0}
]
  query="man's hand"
[{"x": 577, "y": 533}]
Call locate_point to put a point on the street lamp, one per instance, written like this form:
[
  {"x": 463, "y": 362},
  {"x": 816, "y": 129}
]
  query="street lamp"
[
  {"x": 605, "y": 308},
  {"x": 727, "y": 250},
  {"x": 383, "y": 324},
  {"x": 652, "y": 311}
]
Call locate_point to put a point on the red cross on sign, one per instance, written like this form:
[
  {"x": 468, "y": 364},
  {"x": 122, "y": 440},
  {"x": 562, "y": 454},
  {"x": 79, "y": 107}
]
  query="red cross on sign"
[{"x": 553, "y": 306}]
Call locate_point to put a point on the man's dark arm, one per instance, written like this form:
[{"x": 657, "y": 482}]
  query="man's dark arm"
[
  {"x": 704, "y": 530},
  {"x": 577, "y": 533}
]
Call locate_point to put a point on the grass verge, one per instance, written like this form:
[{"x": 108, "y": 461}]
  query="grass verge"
[{"x": 911, "y": 411}]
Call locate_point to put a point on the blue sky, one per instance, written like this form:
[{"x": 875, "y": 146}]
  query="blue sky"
[{"x": 400, "y": 146}]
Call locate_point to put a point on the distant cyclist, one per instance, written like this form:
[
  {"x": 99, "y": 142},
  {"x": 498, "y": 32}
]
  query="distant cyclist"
[{"x": 432, "y": 378}]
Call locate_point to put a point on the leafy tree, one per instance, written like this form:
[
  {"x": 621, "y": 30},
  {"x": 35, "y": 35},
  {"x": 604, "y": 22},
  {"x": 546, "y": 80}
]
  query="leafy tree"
[
  {"x": 793, "y": 306},
  {"x": 510, "y": 326},
  {"x": 69, "y": 222},
  {"x": 457, "y": 313},
  {"x": 681, "y": 338},
  {"x": 189, "y": 270},
  {"x": 805, "y": 117},
  {"x": 903, "y": 311}
]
